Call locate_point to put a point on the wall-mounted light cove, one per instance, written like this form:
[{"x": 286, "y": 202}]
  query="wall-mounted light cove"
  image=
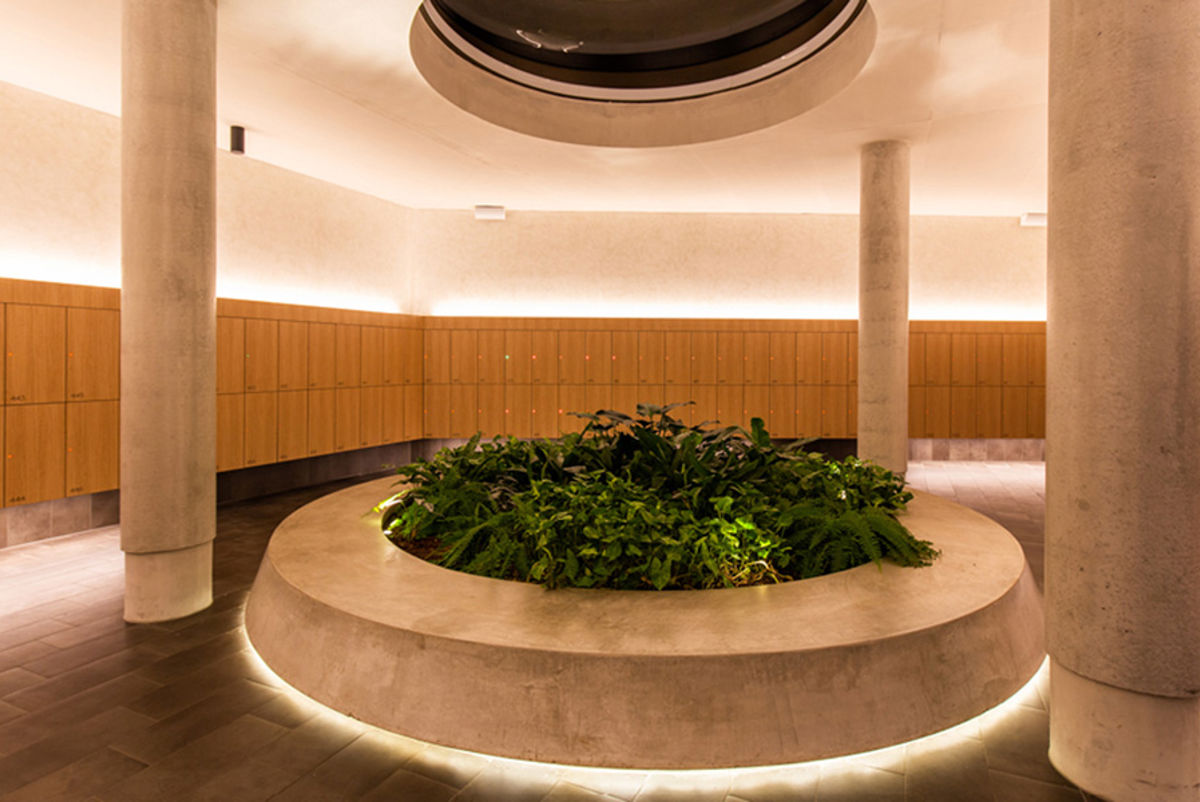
[
  {"x": 1033, "y": 220},
  {"x": 33, "y": 266},
  {"x": 319, "y": 296},
  {"x": 639, "y": 309},
  {"x": 488, "y": 211}
]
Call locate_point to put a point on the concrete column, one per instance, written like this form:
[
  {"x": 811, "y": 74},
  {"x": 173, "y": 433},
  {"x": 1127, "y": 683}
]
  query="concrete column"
[
  {"x": 1123, "y": 416},
  {"x": 883, "y": 306},
  {"x": 168, "y": 306}
]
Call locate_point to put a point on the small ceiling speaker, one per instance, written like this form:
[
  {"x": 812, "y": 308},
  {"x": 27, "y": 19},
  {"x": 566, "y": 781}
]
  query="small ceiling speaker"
[
  {"x": 237, "y": 139},
  {"x": 487, "y": 211}
]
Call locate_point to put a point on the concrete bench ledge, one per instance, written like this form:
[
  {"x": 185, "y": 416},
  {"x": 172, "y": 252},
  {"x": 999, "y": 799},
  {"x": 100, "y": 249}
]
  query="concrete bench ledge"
[{"x": 639, "y": 679}]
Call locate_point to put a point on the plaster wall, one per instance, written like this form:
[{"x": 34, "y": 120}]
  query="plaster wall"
[
  {"x": 281, "y": 236},
  {"x": 588, "y": 264}
]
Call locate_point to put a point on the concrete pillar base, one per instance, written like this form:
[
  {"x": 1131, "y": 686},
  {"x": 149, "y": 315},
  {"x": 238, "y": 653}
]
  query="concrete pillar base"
[
  {"x": 164, "y": 585},
  {"x": 1122, "y": 745}
]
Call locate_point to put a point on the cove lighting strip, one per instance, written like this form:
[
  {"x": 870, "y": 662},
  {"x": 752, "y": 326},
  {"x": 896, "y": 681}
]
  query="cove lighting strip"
[{"x": 628, "y": 782}]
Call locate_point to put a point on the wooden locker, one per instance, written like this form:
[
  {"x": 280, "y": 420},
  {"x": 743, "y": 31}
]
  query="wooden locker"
[
  {"x": 93, "y": 447},
  {"x": 782, "y": 357},
  {"x": 651, "y": 357},
  {"x": 37, "y": 347},
  {"x": 394, "y": 354},
  {"x": 372, "y": 373},
  {"x": 262, "y": 355},
  {"x": 674, "y": 394},
  {"x": 782, "y": 412},
  {"x": 571, "y": 398},
  {"x": 852, "y": 411},
  {"x": 491, "y": 368},
  {"x": 937, "y": 360},
  {"x": 518, "y": 400},
  {"x": 625, "y": 358},
  {"x": 348, "y": 419},
  {"x": 625, "y": 398},
  {"x": 436, "y": 413},
  {"x": 1037, "y": 412},
  {"x": 518, "y": 357},
  {"x": 1016, "y": 412},
  {"x": 808, "y": 411},
  {"x": 835, "y": 359},
  {"x": 937, "y": 411},
  {"x": 292, "y": 414},
  {"x": 598, "y": 358},
  {"x": 731, "y": 358},
  {"x": 262, "y": 428},
  {"x": 321, "y": 416},
  {"x": 962, "y": 359},
  {"x": 808, "y": 357},
  {"x": 990, "y": 407},
  {"x": 677, "y": 358},
  {"x": 293, "y": 355},
  {"x": 437, "y": 356},
  {"x": 916, "y": 359},
  {"x": 543, "y": 361},
  {"x": 322, "y": 355},
  {"x": 490, "y": 410},
  {"x": 654, "y": 394},
  {"x": 703, "y": 410},
  {"x": 371, "y": 431},
  {"x": 704, "y": 357},
  {"x": 1036, "y": 359},
  {"x": 1016, "y": 360},
  {"x": 916, "y": 411},
  {"x": 231, "y": 355},
  {"x": 730, "y": 404},
  {"x": 93, "y": 354},
  {"x": 756, "y": 403},
  {"x": 572, "y": 350},
  {"x": 349, "y": 355},
  {"x": 989, "y": 360},
  {"x": 757, "y": 357},
  {"x": 414, "y": 358},
  {"x": 835, "y": 401},
  {"x": 393, "y": 414},
  {"x": 464, "y": 357},
  {"x": 852, "y": 359},
  {"x": 35, "y": 453},
  {"x": 414, "y": 411},
  {"x": 231, "y": 431},
  {"x": 544, "y": 411},
  {"x": 464, "y": 410},
  {"x": 963, "y": 412},
  {"x": 597, "y": 396}
]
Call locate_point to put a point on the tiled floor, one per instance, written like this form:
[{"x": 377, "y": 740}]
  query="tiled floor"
[{"x": 92, "y": 708}]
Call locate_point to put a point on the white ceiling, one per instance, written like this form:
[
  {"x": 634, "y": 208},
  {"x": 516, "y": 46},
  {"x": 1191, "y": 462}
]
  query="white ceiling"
[{"x": 328, "y": 88}]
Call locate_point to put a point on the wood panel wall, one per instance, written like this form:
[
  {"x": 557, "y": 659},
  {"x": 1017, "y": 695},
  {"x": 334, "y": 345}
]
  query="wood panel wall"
[{"x": 295, "y": 382}]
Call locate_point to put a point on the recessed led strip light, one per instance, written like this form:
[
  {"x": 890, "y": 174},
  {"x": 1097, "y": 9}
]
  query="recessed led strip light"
[
  {"x": 695, "y": 780},
  {"x": 643, "y": 94}
]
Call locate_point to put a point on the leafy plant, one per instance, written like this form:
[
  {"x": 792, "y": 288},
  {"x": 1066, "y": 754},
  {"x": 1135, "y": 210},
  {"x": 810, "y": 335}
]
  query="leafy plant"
[{"x": 650, "y": 502}]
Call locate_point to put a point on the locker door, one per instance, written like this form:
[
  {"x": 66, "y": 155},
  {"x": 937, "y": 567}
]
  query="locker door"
[
  {"x": 491, "y": 360},
  {"x": 677, "y": 358},
  {"x": 835, "y": 359},
  {"x": 93, "y": 447},
  {"x": 756, "y": 403},
  {"x": 651, "y": 357},
  {"x": 544, "y": 359},
  {"x": 464, "y": 357},
  {"x": 963, "y": 412},
  {"x": 464, "y": 410},
  {"x": 571, "y": 398},
  {"x": 1036, "y": 359},
  {"x": 963, "y": 356},
  {"x": 598, "y": 358},
  {"x": 704, "y": 410},
  {"x": 835, "y": 402},
  {"x": 518, "y": 357},
  {"x": 937, "y": 360},
  {"x": 916, "y": 359},
  {"x": 437, "y": 356},
  {"x": 293, "y": 355},
  {"x": 544, "y": 411},
  {"x": 808, "y": 410},
  {"x": 393, "y": 414},
  {"x": 1016, "y": 360},
  {"x": 731, "y": 357},
  {"x": 231, "y": 355},
  {"x": 262, "y": 428},
  {"x": 394, "y": 355},
  {"x": 1037, "y": 412},
  {"x": 518, "y": 402},
  {"x": 783, "y": 357},
  {"x": 35, "y": 453},
  {"x": 321, "y": 414},
  {"x": 414, "y": 358},
  {"x": 808, "y": 358},
  {"x": 349, "y": 356},
  {"x": 1016, "y": 412},
  {"x": 916, "y": 412},
  {"x": 437, "y": 410},
  {"x": 781, "y": 420},
  {"x": 572, "y": 350},
  {"x": 371, "y": 430},
  {"x": 991, "y": 414},
  {"x": 348, "y": 420},
  {"x": 704, "y": 357},
  {"x": 490, "y": 410},
  {"x": 372, "y": 373},
  {"x": 93, "y": 354},
  {"x": 231, "y": 431},
  {"x": 414, "y": 411},
  {"x": 262, "y": 355},
  {"x": 937, "y": 411},
  {"x": 292, "y": 413},
  {"x": 730, "y": 404},
  {"x": 322, "y": 355},
  {"x": 757, "y": 357},
  {"x": 624, "y": 358},
  {"x": 989, "y": 360}
]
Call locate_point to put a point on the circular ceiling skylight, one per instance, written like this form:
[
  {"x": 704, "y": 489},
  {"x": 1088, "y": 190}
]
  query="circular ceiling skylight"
[{"x": 613, "y": 62}]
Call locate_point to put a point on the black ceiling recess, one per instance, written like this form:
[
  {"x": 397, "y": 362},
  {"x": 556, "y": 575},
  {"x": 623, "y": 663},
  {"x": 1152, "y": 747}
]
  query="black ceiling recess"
[{"x": 638, "y": 49}]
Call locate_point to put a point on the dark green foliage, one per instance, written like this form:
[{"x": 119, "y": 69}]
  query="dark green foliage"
[{"x": 649, "y": 502}]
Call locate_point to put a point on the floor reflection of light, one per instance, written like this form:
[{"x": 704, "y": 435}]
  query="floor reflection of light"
[{"x": 628, "y": 782}]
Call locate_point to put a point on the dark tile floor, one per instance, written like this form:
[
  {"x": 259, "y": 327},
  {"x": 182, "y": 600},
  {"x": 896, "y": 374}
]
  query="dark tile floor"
[{"x": 92, "y": 708}]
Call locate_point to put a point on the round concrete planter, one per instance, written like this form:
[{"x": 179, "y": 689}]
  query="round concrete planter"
[{"x": 678, "y": 679}]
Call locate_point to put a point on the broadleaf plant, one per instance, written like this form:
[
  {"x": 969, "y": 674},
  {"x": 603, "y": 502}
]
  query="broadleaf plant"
[{"x": 648, "y": 502}]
